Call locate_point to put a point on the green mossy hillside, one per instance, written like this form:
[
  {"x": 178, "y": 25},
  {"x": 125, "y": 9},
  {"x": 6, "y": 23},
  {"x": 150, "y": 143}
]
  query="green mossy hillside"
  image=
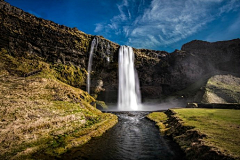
[
  {"x": 28, "y": 65},
  {"x": 70, "y": 74},
  {"x": 41, "y": 116}
]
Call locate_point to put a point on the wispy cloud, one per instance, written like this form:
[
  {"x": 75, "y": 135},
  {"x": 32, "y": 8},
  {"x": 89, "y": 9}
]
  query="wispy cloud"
[
  {"x": 161, "y": 22},
  {"x": 99, "y": 27},
  {"x": 34, "y": 13},
  {"x": 231, "y": 32}
]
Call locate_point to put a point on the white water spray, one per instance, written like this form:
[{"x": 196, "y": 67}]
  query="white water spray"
[
  {"x": 93, "y": 44},
  {"x": 129, "y": 97}
]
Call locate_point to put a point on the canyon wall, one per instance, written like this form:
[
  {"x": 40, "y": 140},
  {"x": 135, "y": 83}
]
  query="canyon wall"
[{"x": 160, "y": 73}]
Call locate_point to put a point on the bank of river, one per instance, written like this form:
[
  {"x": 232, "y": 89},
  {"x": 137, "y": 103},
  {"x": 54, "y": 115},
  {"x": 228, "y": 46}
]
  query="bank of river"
[{"x": 202, "y": 133}]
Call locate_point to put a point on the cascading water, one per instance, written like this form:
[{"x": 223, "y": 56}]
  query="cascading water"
[
  {"x": 93, "y": 44},
  {"x": 129, "y": 97}
]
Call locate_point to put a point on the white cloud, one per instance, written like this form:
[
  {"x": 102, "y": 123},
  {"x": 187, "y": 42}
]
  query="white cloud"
[
  {"x": 99, "y": 27},
  {"x": 231, "y": 5},
  {"x": 164, "y": 22}
]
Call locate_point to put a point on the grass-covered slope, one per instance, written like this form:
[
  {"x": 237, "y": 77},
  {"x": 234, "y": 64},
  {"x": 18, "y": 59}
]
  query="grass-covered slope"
[
  {"x": 222, "y": 89},
  {"x": 41, "y": 115},
  {"x": 203, "y": 133},
  {"x": 221, "y": 126}
]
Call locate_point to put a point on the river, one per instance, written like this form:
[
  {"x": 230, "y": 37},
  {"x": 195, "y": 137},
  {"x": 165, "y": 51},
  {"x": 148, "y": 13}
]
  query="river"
[{"x": 134, "y": 137}]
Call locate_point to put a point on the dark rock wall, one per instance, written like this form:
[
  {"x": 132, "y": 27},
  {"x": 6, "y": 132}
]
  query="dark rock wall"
[
  {"x": 23, "y": 33},
  {"x": 222, "y": 55},
  {"x": 152, "y": 67},
  {"x": 105, "y": 63},
  {"x": 163, "y": 74},
  {"x": 105, "y": 68},
  {"x": 160, "y": 73}
]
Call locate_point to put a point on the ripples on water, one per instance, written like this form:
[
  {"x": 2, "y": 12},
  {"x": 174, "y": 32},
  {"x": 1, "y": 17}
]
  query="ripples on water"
[{"x": 133, "y": 138}]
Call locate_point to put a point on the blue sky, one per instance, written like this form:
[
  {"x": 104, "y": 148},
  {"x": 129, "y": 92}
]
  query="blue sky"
[{"x": 152, "y": 24}]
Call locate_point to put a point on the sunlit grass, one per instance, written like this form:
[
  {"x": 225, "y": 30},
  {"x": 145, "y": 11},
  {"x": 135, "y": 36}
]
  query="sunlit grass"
[
  {"x": 222, "y": 127},
  {"x": 160, "y": 118}
]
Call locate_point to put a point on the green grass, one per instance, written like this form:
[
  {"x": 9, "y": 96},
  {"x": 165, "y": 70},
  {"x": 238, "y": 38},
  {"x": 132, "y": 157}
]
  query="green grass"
[
  {"x": 160, "y": 118},
  {"x": 222, "y": 127},
  {"x": 70, "y": 74},
  {"x": 22, "y": 66}
]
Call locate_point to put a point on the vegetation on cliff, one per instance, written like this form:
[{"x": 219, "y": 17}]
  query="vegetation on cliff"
[
  {"x": 203, "y": 133},
  {"x": 28, "y": 65},
  {"x": 222, "y": 89},
  {"x": 41, "y": 115}
]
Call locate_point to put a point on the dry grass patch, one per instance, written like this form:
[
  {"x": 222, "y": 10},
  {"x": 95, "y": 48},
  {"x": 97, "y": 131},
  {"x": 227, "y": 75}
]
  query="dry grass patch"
[{"x": 35, "y": 111}]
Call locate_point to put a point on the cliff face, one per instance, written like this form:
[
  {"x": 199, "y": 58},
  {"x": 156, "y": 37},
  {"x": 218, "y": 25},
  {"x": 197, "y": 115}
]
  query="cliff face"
[
  {"x": 222, "y": 55},
  {"x": 160, "y": 73},
  {"x": 23, "y": 34},
  {"x": 197, "y": 61}
]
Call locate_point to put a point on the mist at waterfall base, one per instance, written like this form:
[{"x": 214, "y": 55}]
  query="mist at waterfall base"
[{"x": 150, "y": 105}]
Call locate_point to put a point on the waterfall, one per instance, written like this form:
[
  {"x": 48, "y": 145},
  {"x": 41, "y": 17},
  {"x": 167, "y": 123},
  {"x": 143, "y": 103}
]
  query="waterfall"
[
  {"x": 93, "y": 44},
  {"x": 129, "y": 97}
]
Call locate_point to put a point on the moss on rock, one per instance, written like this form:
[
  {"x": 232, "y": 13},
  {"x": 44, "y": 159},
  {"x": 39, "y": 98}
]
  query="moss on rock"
[{"x": 222, "y": 89}]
